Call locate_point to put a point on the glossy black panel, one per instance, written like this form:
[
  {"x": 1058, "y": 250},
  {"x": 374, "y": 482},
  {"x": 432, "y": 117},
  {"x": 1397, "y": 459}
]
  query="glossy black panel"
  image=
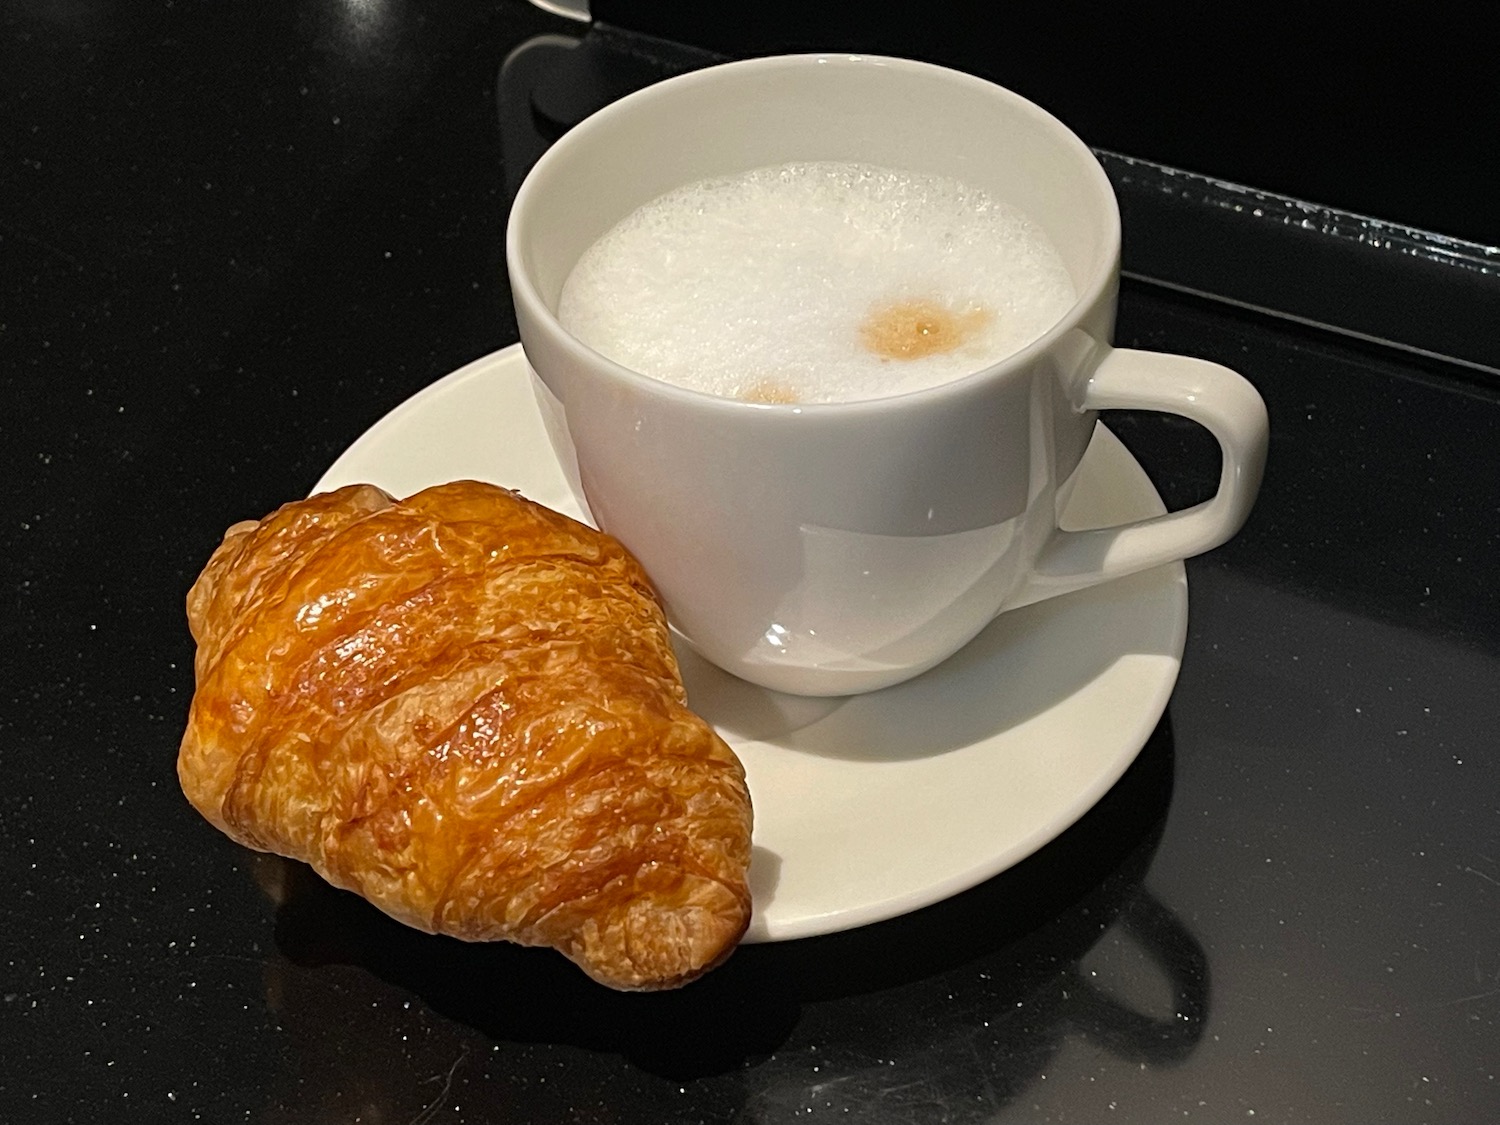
[{"x": 1389, "y": 114}]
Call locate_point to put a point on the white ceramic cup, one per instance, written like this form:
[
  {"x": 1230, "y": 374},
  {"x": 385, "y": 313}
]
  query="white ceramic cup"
[{"x": 829, "y": 549}]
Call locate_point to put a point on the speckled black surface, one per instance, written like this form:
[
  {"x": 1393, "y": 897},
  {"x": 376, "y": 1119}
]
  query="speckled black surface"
[{"x": 231, "y": 240}]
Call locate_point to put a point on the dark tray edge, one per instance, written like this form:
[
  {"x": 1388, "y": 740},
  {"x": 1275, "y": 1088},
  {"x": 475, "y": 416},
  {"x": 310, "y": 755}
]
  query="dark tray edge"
[{"x": 1374, "y": 280}]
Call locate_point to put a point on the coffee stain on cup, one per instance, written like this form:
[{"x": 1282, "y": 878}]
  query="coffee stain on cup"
[
  {"x": 769, "y": 392},
  {"x": 917, "y": 327}
]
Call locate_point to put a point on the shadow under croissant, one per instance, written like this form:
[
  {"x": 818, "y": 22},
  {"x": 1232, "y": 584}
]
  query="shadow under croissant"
[{"x": 1026, "y": 929}]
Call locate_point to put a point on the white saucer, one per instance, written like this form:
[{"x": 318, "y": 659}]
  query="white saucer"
[{"x": 873, "y": 806}]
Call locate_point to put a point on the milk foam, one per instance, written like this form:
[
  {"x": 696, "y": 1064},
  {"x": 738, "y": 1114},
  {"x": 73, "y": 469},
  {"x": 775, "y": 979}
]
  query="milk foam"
[{"x": 765, "y": 285}]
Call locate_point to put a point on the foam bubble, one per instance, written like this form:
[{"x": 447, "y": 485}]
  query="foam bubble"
[{"x": 797, "y": 282}]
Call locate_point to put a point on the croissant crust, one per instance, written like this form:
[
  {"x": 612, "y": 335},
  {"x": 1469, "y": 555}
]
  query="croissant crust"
[{"x": 465, "y": 707}]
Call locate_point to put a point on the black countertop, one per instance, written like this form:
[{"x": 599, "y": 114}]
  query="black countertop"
[{"x": 232, "y": 240}]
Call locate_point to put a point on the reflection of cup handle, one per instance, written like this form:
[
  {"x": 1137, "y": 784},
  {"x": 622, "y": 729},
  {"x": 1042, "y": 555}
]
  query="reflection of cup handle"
[
  {"x": 1222, "y": 401},
  {"x": 1135, "y": 1035}
]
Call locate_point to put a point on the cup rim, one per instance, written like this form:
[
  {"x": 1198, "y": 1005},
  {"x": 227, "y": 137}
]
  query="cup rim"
[{"x": 523, "y": 288}]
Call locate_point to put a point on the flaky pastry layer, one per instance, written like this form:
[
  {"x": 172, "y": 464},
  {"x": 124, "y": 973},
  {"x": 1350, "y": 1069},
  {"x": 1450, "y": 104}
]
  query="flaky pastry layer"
[{"x": 465, "y": 707}]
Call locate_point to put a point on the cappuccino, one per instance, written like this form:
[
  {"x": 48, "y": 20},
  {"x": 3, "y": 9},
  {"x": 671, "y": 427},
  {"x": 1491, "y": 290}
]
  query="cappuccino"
[{"x": 817, "y": 282}]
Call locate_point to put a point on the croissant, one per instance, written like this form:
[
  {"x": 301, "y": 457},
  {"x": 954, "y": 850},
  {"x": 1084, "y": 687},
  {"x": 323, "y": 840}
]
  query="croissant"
[{"x": 465, "y": 707}]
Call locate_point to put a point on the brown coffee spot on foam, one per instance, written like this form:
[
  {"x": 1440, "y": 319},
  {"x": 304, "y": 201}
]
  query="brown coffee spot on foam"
[
  {"x": 768, "y": 391},
  {"x": 915, "y": 328}
]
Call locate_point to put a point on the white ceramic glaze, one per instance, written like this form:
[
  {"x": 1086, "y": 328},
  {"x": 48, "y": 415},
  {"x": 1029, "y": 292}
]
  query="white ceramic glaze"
[
  {"x": 871, "y": 806},
  {"x": 833, "y": 549}
]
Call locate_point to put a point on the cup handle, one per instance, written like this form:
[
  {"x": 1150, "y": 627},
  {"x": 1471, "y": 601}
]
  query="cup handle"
[{"x": 1221, "y": 400}]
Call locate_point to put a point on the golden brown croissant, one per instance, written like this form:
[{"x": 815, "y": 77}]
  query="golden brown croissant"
[{"x": 465, "y": 707}]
